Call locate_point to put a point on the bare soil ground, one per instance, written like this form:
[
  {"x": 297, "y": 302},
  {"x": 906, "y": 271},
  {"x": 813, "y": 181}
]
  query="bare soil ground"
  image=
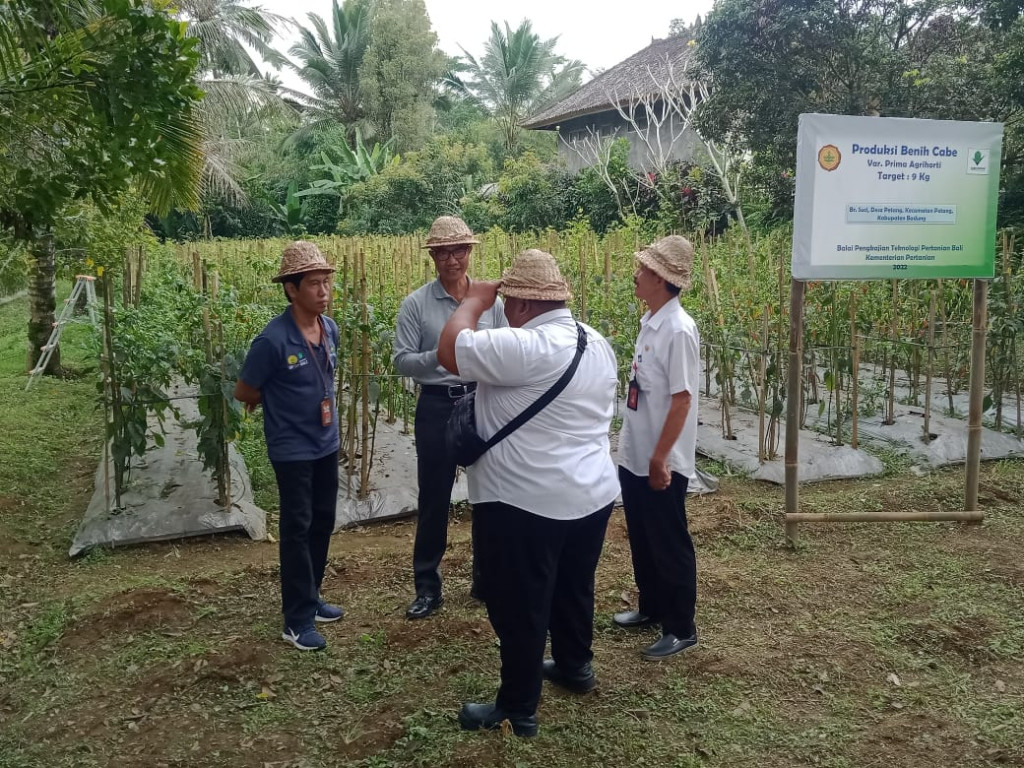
[{"x": 868, "y": 645}]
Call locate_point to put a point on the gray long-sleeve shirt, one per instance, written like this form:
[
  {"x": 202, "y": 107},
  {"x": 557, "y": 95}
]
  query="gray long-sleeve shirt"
[{"x": 421, "y": 318}]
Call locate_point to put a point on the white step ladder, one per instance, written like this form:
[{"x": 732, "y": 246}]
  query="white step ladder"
[{"x": 83, "y": 283}]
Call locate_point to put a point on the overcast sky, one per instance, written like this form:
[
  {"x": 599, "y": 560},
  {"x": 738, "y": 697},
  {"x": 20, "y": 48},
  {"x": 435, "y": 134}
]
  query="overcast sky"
[{"x": 600, "y": 34}]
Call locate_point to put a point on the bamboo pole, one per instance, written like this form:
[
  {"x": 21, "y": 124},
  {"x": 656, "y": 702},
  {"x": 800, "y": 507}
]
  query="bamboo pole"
[
  {"x": 108, "y": 392},
  {"x": 139, "y": 267},
  {"x": 126, "y": 279},
  {"x": 793, "y": 395},
  {"x": 582, "y": 256},
  {"x": 977, "y": 394},
  {"x": 945, "y": 348},
  {"x": 929, "y": 363},
  {"x": 364, "y": 388},
  {"x": 855, "y": 366},
  {"x": 762, "y": 452},
  {"x": 223, "y": 463},
  {"x": 1008, "y": 248},
  {"x": 607, "y": 272},
  {"x": 343, "y": 349},
  {"x": 881, "y": 517}
]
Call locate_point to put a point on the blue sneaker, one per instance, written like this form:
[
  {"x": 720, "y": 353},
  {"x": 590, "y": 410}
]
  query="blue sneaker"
[
  {"x": 325, "y": 612},
  {"x": 305, "y": 639}
]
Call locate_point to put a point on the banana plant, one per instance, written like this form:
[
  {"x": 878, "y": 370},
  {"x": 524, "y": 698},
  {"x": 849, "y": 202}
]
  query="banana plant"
[
  {"x": 291, "y": 215},
  {"x": 352, "y": 165}
]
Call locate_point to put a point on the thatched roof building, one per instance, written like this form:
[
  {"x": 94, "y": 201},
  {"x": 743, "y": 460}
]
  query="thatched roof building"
[{"x": 593, "y": 110}]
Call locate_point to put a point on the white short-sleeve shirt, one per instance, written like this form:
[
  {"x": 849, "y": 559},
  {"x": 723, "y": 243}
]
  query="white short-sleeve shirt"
[
  {"x": 558, "y": 465},
  {"x": 666, "y": 361}
]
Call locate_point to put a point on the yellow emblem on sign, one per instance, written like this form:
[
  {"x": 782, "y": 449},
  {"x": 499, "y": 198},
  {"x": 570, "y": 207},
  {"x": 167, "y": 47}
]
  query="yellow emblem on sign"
[
  {"x": 292, "y": 359},
  {"x": 829, "y": 157}
]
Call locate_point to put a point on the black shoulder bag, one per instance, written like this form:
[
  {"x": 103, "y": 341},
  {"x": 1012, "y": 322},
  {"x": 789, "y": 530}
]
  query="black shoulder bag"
[{"x": 464, "y": 442}]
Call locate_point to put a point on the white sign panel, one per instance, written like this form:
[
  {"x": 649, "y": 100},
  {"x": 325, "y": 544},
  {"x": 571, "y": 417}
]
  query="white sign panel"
[{"x": 885, "y": 197}]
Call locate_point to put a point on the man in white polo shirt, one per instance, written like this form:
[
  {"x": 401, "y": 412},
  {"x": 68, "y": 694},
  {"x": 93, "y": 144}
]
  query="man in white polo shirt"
[
  {"x": 657, "y": 449},
  {"x": 542, "y": 496}
]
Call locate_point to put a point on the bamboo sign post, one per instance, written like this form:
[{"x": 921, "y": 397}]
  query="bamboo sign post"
[{"x": 871, "y": 207}]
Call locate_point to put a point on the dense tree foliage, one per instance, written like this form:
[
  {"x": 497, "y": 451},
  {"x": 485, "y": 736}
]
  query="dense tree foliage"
[
  {"x": 448, "y": 132},
  {"x": 768, "y": 61},
  {"x": 94, "y": 96},
  {"x": 399, "y": 71},
  {"x": 101, "y": 95}
]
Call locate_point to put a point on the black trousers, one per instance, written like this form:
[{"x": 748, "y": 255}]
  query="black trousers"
[
  {"x": 664, "y": 561},
  {"x": 537, "y": 576},
  {"x": 435, "y": 471},
  {"x": 309, "y": 496}
]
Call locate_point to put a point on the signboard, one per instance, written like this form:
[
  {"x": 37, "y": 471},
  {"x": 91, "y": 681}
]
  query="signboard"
[{"x": 890, "y": 197}]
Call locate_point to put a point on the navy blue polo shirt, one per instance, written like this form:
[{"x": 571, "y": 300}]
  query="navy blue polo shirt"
[{"x": 292, "y": 388}]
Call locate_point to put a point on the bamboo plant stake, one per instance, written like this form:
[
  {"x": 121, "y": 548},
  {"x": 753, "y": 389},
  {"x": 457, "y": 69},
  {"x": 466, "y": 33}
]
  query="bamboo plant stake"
[
  {"x": 223, "y": 468},
  {"x": 607, "y": 273},
  {"x": 355, "y": 365},
  {"x": 206, "y": 314},
  {"x": 724, "y": 367},
  {"x": 339, "y": 392},
  {"x": 794, "y": 380},
  {"x": 140, "y": 267},
  {"x": 929, "y": 362},
  {"x": 979, "y": 319},
  {"x": 364, "y": 375},
  {"x": 111, "y": 395},
  {"x": 126, "y": 279},
  {"x": 582, "y": 257},
  {"x": 762, "y": 452},
  {"x": 855, "y": 384},
  {"x": 945, "y": 348},
  {"x": 1015, "y": 309}
]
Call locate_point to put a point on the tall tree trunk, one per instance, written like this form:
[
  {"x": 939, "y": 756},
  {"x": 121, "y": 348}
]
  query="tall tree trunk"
[{"x": 42, "y": 301}]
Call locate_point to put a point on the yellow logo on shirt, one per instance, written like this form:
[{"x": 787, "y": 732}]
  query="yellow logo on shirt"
[{"x": 292, "y": 359}]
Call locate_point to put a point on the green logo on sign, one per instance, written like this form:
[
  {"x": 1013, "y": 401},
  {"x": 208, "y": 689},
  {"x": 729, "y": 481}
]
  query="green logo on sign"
[{"x": 978, "y": 157}]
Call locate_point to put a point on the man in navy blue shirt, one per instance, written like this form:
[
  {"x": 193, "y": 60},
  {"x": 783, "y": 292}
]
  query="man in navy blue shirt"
[{"x": 289, "y": 370}]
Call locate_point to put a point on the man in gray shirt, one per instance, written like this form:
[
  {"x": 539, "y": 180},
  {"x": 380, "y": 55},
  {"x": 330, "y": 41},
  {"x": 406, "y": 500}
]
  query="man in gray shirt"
[{"x": 421, "y": 317}]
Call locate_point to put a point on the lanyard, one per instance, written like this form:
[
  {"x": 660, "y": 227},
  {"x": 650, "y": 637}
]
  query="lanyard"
[{"x": 316, "y": 359}]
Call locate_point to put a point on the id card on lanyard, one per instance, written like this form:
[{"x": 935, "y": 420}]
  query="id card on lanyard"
[{"x": 326, "y": 406}]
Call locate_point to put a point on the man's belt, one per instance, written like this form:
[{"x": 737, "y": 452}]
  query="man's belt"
[{"x": 451, "y": 391}]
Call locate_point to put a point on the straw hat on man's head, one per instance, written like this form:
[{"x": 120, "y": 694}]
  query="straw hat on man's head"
[
  {"x": 535, "y": 275},
  {"x": 449, "y": 230},
  {"x": 671, "y": 259},
  {"x": 299, "y": 257}
]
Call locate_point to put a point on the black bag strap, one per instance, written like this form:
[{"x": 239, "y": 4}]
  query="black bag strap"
[{"x": 541, "y": 402}]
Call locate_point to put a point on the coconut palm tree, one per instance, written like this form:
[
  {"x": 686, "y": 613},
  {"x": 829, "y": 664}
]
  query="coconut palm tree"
[
  {"x": 226, "y": 30},
  {"x": 235, "y": 88},
  {"x": 329, "y": 57},
  {"x": 519, "y": 75}
]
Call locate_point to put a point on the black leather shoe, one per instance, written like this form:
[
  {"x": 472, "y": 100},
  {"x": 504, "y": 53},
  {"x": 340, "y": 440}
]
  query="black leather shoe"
[
  {"x": 669, "y": 645},
  {"x": 423, "y": 606},
  {"x": 632, "y": 620},
  {"x": 473, "y": 717},
  {"x": 582, "y": 680}
]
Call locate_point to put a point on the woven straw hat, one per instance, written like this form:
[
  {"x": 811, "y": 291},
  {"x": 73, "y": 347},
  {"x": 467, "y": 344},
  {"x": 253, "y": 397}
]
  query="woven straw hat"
[
  {"x": 449, "y": 230},
  {"x": 301, "y": 256},
  {"x": 671, "y": 259},
  {"x": 535, "y": 275}
]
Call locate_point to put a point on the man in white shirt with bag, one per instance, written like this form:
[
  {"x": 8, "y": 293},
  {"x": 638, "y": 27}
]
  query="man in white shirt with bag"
[{"x": 542, "y": 495}]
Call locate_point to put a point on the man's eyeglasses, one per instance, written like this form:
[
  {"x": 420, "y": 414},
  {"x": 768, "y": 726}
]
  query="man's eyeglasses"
[{"x": 454, "y": 252}]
